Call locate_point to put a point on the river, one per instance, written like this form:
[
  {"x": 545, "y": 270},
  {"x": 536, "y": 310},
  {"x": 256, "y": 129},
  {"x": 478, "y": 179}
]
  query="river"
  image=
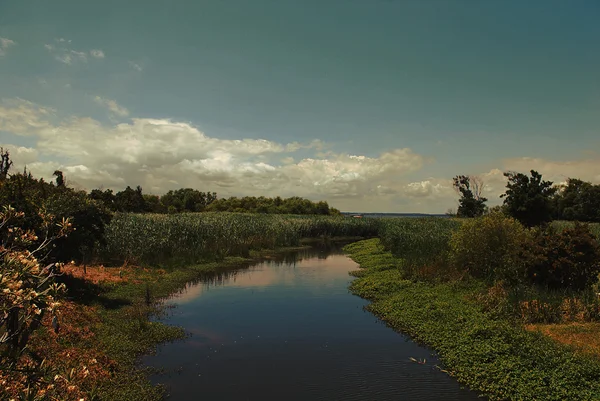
[{"x": 288, "y": 329}]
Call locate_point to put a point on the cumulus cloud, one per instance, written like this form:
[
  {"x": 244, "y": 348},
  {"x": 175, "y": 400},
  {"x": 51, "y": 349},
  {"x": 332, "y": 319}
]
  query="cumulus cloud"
[
  {"x": 5, "y": 44},
  {"x": 161, "y": 154},
  {"x": 97, "y": 53},
  {"x": 112, "y": 105},
  {"x": 431, "y": 189},
  {"x": 21, "y": 117}
]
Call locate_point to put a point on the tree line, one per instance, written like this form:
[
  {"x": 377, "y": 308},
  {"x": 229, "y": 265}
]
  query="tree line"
[
  {"x": 191, "y": 200},
  {"x": 532, "y": 200}
]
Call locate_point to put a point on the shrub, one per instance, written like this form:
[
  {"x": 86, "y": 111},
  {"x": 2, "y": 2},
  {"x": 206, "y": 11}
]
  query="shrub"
[
  {"x": 564, "y": 259},
  {"x": 89, "y": 219},
  {"x": 490, "y": 248}
]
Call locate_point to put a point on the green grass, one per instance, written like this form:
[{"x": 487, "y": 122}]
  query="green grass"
[
  {"x": 594, "y": 227},
  {"x": 484, "y": 352}
]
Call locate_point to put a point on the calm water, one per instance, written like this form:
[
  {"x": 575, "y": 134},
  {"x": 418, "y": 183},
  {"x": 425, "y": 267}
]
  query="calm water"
[{"x": 290, "y": 330}]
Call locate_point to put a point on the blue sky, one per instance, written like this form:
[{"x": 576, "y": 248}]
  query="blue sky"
[{"x": 370, "y": 104}]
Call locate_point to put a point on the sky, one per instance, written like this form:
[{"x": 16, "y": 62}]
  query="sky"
[{"x": 371, "y": 105}]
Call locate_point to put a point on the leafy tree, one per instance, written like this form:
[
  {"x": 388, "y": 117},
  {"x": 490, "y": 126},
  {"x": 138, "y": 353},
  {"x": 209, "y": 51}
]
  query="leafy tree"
[
  {"x": 5, "y": 164},
  {"x": 154, "y": 204},
  {"x": 38, "y": 200},
  {"x": 130, "y": 200},
  {"x": 60, "y": 179},
  {"x": 106, "y": 197},
  {"x": 250, "y": 204},
  {"x": 188, "y": 200},
  {"x": 578, "y": 200},
  {"x": 471, "y": 203},
  {"x": 528, "y": 200}
]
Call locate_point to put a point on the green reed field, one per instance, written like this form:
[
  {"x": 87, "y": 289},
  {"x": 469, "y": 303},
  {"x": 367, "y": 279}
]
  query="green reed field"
[{"x": 154, "y": 239}]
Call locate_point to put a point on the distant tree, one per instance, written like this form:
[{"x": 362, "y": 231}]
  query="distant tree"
[
  {"x": 250, "y": 204},
  {"x": 106, "y": 197},
  {"x": 528, "y": 199},
  {"x": 187, "y": 200},
  {"x": 471, "y": 202},
  {"x": 5, "y": 164},
  {"x": 578, "y": 200},
  {"x": 130, "y": 200},
  {"x": 153, "y": 204},
  {"x": 60, "y": 179}
]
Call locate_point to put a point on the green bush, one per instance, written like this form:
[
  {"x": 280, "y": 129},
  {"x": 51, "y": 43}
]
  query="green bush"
[
  {"x": 490, "y": 248},
  {"x": 564, "y": 259},
  {"x": 89, "y": 219}
]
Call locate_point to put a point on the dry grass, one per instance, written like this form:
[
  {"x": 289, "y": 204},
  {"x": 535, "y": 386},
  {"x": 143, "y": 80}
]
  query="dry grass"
[
  {"x": 585, "y": 337},
  {"x": 101, "y": 274}
]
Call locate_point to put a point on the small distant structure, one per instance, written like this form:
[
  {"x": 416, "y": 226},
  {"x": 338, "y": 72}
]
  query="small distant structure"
[{"x": 358, "y": 216}]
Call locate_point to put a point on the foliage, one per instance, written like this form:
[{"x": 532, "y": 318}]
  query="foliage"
[
  {"x": 564, "y": 259},
  {"x": 28, "y": 289},
  {"x": 89, "y": 219},
  {"x": 187, "y": 200},
  {"x": 490, "y": 248},
  {"x": 130, "y": 200},
  {"x": 471, "y": 203},
  {"x": 493, "y": 356},
  {"x": 293, "y": 205},
  {"x": 418, "y": 241},
  {"x": 579, "y": 201},
  {"x": 528, "y": 199}
]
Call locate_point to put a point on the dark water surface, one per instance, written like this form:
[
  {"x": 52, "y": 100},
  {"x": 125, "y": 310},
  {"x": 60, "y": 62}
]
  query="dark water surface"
[{"x": 290, "y": 330}]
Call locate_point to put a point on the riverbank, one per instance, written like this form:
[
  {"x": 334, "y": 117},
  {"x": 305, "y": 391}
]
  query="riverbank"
[
  {"x": 491, "y": 355},
  {"x": 105, "y": 324}
]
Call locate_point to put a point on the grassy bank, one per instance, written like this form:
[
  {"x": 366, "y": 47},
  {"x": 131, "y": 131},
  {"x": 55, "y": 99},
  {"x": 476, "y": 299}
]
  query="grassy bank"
[{"x": 482, "y": 350}]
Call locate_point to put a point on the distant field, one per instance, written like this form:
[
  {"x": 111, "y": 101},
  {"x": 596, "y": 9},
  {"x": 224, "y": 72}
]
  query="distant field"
[{"x": 594, "y": 227}]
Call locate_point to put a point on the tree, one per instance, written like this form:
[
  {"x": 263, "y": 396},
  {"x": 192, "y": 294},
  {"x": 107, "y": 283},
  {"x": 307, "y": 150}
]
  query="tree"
[
  {"x": 131, "y": 200},
  {"x": 471, "y": 202},
  {"x": 60, "y": 179},
  {"x": 528, "y": 199},
  {"x": 5, "y": 164},
  {"x": 578, "y": 200},
  {"x": 106, "y": 197}
]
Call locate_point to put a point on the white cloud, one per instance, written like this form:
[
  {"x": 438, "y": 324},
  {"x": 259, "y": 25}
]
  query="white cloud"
[
  {"x": 135, "y": 66},
  {"x": 112, "y": 105},
  {"x": 22, "y": 117},
  {"x": 21, "y": 155},
  {"x": 161, "y": 154},
  {"x": 5, "y": 44},
  {"x": 64, "y": 54},
  {"x": 97, "y": 53},
  {"x": 558, "y": 171},
  {"x": 431, "y": 189}
]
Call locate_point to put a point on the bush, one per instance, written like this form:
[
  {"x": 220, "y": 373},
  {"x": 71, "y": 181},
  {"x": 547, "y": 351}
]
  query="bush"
[
  {"x": 564, "y": 259},
  {"x": 490, "y": 248},
  {"x": 89, "y": 219}
]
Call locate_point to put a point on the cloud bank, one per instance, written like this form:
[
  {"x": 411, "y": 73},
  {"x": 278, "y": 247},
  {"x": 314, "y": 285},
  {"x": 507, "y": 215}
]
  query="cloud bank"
[{"x": 162, "y": 154}]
